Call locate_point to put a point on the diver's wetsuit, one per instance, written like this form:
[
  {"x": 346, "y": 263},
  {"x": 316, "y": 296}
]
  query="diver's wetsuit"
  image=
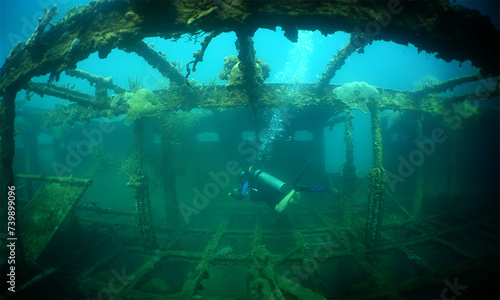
[
  {"x": 257, "y": 190},
  {"x": 262, "y": 186},
  {"x": 262, "y": 192}
]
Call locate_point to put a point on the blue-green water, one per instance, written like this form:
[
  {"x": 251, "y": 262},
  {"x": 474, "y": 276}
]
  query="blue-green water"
[{"x": 195, "y": 157}]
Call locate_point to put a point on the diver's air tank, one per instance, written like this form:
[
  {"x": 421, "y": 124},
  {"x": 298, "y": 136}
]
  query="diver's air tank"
[{"x": 272, "y": 181}]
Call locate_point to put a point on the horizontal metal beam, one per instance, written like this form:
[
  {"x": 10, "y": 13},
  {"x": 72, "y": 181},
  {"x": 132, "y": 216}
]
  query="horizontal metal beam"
[
  {"x": 289, "y": 94},
  {"x": 97, "y": 80},
  {"x": 176, "y": 98}
]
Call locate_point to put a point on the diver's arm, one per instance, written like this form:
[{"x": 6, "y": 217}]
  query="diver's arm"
[
  {"x": 240, "y": 192},
  {"x": 236, "y": 194}
]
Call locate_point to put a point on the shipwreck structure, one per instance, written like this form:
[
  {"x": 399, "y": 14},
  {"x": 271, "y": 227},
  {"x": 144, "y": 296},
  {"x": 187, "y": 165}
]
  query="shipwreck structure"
[{"x": 453, "y": 32}]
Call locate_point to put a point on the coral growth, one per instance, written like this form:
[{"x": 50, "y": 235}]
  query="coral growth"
[
  {"x": 357, "y": 95},
  {"x": 135, "y": 84},
  {"x": 69, "y": 114},
  {"x": 234, "y": 76},
  {"x": 144, "y": 103},
  {"x": 229, "y": 62}
]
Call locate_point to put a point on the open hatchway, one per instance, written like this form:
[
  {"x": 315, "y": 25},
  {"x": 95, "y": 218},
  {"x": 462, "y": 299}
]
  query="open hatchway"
[{"x": 361, "y": 240}]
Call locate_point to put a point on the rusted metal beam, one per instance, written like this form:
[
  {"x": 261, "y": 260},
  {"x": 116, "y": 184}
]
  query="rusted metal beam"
[
  {"x": 349, "y": 171},
  {"x": 356, "y": 43},
  {"x": 51, "y": 89},
  {"x": 198, "y": 55},
  {"x": 447, "y": 85},
  {"x": 246, "y": 56},
  {"x": 377, "y": 182},
  {"x": 305, "y": 95},
  {"x": 157, "y": 61},
  {"x": 66, "y": 180},
  {"x": 139, "y": 182},
  {"x": 192, "y": 284},
  {"x": 94, "y": 79}
]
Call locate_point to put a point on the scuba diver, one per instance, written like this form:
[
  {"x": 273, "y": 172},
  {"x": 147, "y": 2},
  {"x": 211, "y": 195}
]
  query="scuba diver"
[{"x": 261, "y": 186}]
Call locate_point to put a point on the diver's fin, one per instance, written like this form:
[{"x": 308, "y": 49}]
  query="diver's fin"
[
  {"x": 311, "y": 188},
  {"x": 306, "y": 188},
  {"x": 297, "y": 177}
]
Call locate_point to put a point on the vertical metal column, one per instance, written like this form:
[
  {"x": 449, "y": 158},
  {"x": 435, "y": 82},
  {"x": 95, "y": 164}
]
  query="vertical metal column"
[
  {"x": 246, "y": 56},
  {"x": 377, "y": 182},
  {"x": 349, "y": 179},
  {"x": 101, "y": 94},
  {"x": 168, "y": 182},
  {"x": 417, "y": 200},
  {"x": 139, "y": 182}
]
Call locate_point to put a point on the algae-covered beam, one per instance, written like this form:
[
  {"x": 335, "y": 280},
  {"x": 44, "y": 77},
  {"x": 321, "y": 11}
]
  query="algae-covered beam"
[
  {"x": 349, "y": 178},
  {"x": 246, "y": 56},
  {"x": 145, "y": 269},
  {"x": 269, "y": 95},
  {"x": 94, "y": 79},
  {"x": 263, "y": 285},
  {"x": 51, "y": 89},
  {"x": 447, "y": 85},
  {"x": 82, "y": 99},
  {"x": 97, "y": 27},
  {"x": 192, "y": 284},
  {"x": 157, "y": 61},
  {"x": 377, "y": 181},
  {"x": 42, "y": 23},
  {"x": 66, "y": 180},
  {"x": 139, "y": 183},
  {"x": 356, "y": 43},
  {"x": 451, "y": 31},
  {"x": 198, "y": 55}
]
